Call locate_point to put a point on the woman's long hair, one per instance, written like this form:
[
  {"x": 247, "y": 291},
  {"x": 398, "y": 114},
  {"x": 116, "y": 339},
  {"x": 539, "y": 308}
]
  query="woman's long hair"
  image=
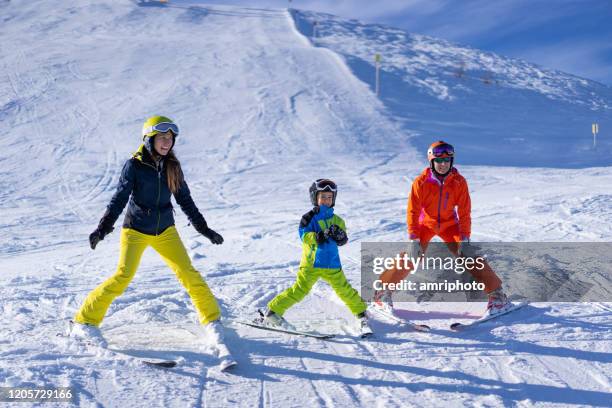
[
  {"x": 173, "y": 172},
  {"x": 173, "y": 165}
]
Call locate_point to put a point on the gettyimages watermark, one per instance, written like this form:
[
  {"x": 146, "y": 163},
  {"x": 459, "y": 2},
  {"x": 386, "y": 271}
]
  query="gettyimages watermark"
[
  {"x": 529, "y": 271},
  {"x": 413, "y": 265}
]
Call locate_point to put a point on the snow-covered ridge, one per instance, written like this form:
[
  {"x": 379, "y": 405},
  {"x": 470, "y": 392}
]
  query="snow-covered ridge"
[
  {"x": 434, "y": 64},
  {"x": 528, "y": 115}
]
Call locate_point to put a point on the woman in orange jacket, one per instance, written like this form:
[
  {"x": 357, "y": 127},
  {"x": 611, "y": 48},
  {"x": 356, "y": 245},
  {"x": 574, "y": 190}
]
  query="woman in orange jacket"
[{"x": 439, "y": 204}]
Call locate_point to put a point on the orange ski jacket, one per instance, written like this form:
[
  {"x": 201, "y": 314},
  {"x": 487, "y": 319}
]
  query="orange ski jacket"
[{"x": 438, "y": 205}]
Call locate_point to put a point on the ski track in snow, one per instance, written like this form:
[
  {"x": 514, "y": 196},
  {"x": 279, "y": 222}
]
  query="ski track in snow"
[{"x": 264, "y": 109}]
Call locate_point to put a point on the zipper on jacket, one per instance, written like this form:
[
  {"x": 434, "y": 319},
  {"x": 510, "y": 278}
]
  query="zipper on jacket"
[
  {"x": 158, "y": 196},
  {"x": 150, "y": 165},
  {"x": 440, "y": 202}
]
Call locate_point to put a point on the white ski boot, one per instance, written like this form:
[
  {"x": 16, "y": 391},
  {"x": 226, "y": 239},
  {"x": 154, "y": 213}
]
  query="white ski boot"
[
  {"x": 363, "y": 326},
  {"x": 498, "y": 302},
  {"x": 213, "y": 332},
  {"x": 383, "y": 301},
  {"x": 271, "y": 319},
  {"x": 87, "y": 333}
]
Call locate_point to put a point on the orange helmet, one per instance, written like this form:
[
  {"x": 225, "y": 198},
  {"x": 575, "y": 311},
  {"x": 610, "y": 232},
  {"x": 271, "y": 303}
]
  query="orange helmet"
[{"x": 440, "y": 149}]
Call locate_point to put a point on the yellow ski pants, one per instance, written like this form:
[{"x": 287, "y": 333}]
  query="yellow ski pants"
[{"x": 169, "y": 245}]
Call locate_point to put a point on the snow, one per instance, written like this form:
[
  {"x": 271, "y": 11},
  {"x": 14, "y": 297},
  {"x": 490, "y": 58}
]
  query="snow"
[
  {"x": 264, "y": 108},
  {"x": 501, "y": 111}
]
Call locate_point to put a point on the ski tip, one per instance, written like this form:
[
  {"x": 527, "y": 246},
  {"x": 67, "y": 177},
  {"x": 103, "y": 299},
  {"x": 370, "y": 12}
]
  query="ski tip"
[
  {"x": 163, "y": 364},
  {"x": 421, "y": 327},
  {"x": 227, "y": 365}
]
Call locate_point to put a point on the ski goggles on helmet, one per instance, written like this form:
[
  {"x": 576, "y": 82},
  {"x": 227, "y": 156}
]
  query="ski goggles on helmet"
[
  {"x": 162, "y": 127},
  {"x": 326, "y": 185},
  {"x": 442, "y": 159},
  {"x": 443, "y": 150}
]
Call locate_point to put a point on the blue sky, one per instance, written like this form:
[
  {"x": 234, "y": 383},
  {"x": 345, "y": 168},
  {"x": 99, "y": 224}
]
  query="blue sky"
[{"x": 574, "y": 36}]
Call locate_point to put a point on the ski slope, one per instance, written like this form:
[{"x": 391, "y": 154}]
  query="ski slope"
[{"x": 264, "y": 108}]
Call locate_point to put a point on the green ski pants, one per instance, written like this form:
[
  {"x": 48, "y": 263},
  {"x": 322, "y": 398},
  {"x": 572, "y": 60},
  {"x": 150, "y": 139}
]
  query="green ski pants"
[{"x": 306, "y": 278}]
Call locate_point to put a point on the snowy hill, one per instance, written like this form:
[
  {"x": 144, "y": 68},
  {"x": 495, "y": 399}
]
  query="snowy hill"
[
  {"x": 264, "y": 108},
  {"x": 524, "y": 114}
]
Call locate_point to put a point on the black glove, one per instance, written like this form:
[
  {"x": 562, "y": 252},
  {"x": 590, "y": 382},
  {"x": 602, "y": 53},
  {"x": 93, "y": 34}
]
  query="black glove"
[
  {"x": 306, "y": 218},
  {"x": 203, "y": 229},
  {"x": 337, "y": 234},
  {"x": 321, "y": 237},
  {"x": 214, "y": 237},
  {"x": 105, "y": 227},
  {"x": 97, "y": 236}
]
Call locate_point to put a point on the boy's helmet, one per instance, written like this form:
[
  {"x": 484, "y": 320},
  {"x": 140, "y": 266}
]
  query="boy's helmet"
[
  {"x": 157, "y": 124},
  {"x": 440, "y": 149},
  {"x": 322, "y": 185}
]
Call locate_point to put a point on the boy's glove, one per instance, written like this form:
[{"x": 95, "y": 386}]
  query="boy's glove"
[
  {"x": 337, "y": 234},
  {"x": 321, "y": 237},
  {"x": 306, "y": 218}
]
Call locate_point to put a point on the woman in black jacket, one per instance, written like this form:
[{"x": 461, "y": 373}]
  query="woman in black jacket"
[{"x": 148, "y": 180}]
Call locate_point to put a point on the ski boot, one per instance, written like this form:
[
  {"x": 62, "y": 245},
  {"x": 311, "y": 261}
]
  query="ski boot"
[
  {"x": 213, "y": 332},
  {"x": 383, "y": 301},
  {"x": 271, "y": 319},
  {"x": 498, "y": 302},
  {"x": 214, "y": 335},
  {"x": 363, "y": 326},
  {"x": 87, "y": 333}
]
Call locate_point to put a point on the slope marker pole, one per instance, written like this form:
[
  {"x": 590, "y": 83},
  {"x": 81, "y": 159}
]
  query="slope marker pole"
[{"x": 377, "y": 60}]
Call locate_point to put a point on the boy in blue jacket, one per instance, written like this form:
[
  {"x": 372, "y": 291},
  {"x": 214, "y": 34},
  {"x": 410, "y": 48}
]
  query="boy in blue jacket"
[{"x": 321, "y": 232}]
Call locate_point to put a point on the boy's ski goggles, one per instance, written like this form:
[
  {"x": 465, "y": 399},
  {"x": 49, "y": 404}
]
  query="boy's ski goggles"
[
  {"x": 443, "y": 150},
  {"x": 326, "y": 185},
  {"x": 442, "y": 159},
  {"x": 162, "y": 127}
]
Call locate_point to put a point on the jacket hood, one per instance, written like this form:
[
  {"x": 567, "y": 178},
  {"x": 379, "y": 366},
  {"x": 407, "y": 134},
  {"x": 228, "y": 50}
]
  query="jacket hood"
[{"x": 143, "y": 155}]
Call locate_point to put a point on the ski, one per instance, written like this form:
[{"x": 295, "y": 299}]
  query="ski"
[
  {"x": 227, "y": 363},
  {"x": 258, "y": 325},
  {"x": 399, "y": 320},
  {"x": 461, "y": 326},
  {"x": 152, "y": 362}
]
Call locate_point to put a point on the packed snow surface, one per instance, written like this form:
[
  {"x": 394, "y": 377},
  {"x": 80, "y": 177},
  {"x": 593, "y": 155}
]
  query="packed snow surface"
[{"x": 266, "y": 105}]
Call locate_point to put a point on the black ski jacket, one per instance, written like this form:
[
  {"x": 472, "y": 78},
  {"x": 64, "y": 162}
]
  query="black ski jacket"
[{"x": 149, "y": 211}]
